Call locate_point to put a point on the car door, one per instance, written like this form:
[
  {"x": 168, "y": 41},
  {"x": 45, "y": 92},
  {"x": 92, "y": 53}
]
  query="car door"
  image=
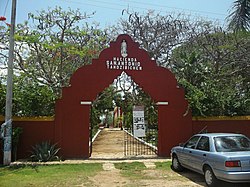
[
  {"x": 201, "y": 153},
  {"x": 189, "y": 147}
]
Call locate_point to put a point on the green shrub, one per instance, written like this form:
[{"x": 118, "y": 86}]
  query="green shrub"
[{"x": 44, "y": 152}]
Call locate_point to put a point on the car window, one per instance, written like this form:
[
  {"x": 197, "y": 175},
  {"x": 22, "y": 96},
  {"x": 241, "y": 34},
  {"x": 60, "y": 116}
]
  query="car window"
[
  {"x": 192, "y": 142},
  {"x": 203, "y": 144},
  {"x": 232, "y": 143}
]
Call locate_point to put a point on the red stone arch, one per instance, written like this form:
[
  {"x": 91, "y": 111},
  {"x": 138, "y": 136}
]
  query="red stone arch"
[{"x": 73, "y": 118}]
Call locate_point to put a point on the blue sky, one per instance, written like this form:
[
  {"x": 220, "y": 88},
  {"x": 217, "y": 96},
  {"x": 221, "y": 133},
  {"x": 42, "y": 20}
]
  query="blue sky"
[{"x": 109, "y": 11}]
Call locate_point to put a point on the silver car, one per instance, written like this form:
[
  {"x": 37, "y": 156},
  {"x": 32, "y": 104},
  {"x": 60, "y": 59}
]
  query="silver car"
[{"x": 223, "y": 156}]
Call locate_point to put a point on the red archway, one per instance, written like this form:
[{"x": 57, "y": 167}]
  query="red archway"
[{"x": 73, "y": 109}]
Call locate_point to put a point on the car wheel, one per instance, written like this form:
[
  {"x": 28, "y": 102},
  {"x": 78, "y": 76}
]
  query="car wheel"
[
  {"x": 210, "y": 178},
  {"x": 176, "y": 165}
]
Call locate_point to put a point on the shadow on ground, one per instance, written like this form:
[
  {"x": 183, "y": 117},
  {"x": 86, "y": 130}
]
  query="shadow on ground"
[{"x": 199, "y": 179}]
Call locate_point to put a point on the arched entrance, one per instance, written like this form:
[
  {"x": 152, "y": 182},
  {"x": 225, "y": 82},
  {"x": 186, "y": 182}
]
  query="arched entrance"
[{"x": 73, "y": 109}]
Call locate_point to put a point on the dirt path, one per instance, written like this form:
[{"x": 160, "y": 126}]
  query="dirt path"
[
  {"x": 151, "y": 178},
  {"x": 108, "y": 144}
]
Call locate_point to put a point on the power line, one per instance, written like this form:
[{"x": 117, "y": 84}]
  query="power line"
[
  {"x": 123, "y": 6},
  {"x": 6, "y": 7},
  {"x": 90, "y": 4},
  {"x": 154, "y": 7},
  {"x": 160, "y": 5}
]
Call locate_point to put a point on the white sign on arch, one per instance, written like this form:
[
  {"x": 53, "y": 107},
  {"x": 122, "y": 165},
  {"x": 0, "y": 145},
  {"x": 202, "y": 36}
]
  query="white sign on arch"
[{"x": 139, "y": 127}]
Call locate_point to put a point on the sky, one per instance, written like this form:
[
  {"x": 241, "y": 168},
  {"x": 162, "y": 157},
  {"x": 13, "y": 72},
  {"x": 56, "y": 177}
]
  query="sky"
[{"x": 108, "y": 12}]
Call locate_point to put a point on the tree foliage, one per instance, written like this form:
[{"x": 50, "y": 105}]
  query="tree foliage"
[
  {"x": 214, "y": 70},
  {"x": 56, "y": 44},
  {"x": 211, "y": 64},
  {"x": 157, "y": 34},
  {"x": 125, "y": 93},
  {"x": 49, "y": 48},
  {"x": 30, "y": 98},
  {"x": 239, "y": 18}
]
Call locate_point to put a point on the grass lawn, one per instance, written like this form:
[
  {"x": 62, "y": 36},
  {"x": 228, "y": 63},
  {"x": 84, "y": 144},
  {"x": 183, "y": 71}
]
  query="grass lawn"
[
  {"x": 133, "y": 170},
  {"x": 137, "y": 170},
  {"x": 50, "y": 175},
  {"x": 163, "y": 165},
  {"x": 80, "y": 174}
]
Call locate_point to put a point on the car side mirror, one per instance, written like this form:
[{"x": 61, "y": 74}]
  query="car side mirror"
[
  {"x": 181, "y": 144},
  {"x": 192, "y": 147}
]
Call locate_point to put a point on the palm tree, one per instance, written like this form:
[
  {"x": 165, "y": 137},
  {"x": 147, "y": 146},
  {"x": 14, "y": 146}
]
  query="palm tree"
[{"x": 239, "y": 17}]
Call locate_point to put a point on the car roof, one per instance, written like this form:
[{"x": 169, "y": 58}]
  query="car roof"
[{"x": 219, "y": 134}]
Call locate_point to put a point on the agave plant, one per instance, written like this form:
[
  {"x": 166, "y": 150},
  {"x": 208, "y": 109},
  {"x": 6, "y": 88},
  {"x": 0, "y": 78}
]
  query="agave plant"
[{"x": 44, "y": 152}]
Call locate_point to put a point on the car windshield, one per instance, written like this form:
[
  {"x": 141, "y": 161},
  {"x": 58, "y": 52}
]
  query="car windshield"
[{"x": 232, "y": 143}]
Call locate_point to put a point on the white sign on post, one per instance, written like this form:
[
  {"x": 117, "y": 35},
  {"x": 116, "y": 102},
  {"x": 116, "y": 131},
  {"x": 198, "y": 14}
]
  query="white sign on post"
[{"x": 138, "y": 121}]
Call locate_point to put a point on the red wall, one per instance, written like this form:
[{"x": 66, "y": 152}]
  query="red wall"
[
  {"x": 33, "y": 132},
  {"x": 216, "y": 125},
  {"x": 37, "y": 131}
]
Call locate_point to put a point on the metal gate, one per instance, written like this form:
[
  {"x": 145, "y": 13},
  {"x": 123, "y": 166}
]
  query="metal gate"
[{"x": 141, "y": 146}]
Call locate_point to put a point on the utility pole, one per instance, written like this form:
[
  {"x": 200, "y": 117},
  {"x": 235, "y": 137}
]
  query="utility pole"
[{"x": 7, "y": 126}]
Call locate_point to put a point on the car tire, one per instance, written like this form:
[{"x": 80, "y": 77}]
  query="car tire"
[
  {"x": 210, "y": 178},
  {"x": 176, "y": 165}
]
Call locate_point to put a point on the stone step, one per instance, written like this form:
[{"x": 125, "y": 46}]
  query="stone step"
[
  {"x": 108, "y": 166},
  {"x": 150, "y": 165}
]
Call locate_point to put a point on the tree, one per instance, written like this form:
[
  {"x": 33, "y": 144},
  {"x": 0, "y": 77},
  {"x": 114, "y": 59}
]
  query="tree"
[
  {"x": 124, "y": 93},
  {"x": 214, "y": 70},
  {"x": 31, "y": 98},
  {"x": 48, "y": 50},
  {"x": 51, "y": 49},
  {"x": 157, "y": 34},
  {"x": 209, "y": 63},
  {"x": 239, "y": 18}
]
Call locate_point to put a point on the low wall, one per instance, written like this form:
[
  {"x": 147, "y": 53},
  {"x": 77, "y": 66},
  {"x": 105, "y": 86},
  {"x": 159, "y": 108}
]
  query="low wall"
[
  {"x": 238, "y": 124},
  {"x": 35, "y": 130}
]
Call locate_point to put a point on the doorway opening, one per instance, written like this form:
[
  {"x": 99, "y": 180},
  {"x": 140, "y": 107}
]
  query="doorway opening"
[{"x": 114, "y": 127}]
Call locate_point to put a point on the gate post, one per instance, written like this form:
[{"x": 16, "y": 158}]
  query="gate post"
[
  {"x": 72, "y": 128},
  {"x": 89, "y": 105},
  {"x": 163, "y": 137},
  {"x": 174, "y": 127}
]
